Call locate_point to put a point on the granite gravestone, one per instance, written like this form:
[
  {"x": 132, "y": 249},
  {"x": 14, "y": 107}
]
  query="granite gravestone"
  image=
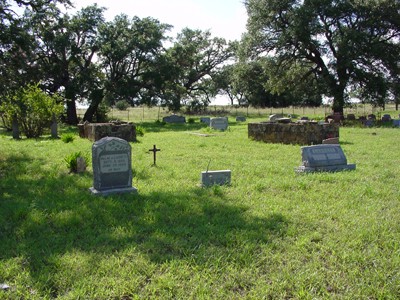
[
  {"x": 240, "y": 119},
  {"x": 220, "y": 177},
  {"x": 174, "y": 119},
  {"x": 219, "y": 123},
  {"x": 323, "y": 158},
  {"x": 112, "y": 168}
]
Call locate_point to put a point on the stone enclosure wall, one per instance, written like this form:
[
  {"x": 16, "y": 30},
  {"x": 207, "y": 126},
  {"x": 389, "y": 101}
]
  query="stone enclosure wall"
[
  {"x": 96, "y": 131},
  {"x": 293, "y": 133}
]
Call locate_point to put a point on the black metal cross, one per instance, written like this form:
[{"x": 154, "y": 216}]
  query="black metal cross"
[{"x": 154, "y": 150}]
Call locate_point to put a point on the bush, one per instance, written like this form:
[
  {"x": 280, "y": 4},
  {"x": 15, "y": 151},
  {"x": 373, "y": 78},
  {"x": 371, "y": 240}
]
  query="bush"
[
  {"x": 121, "y": 105},
  {"x": 191, "y": 120},
  {"x": 33, "y": 108},
  {"x": 67, "y": 137},
  {"x": 71, "y": 161},
  {"x": 139, "y": 131}
]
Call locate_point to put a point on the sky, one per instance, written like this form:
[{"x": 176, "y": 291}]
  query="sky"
[{"x": 224, "y": 18}]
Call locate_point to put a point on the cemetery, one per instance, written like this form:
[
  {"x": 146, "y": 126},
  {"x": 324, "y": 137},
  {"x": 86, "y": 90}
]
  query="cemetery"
[{"x": 177, "y": 215}]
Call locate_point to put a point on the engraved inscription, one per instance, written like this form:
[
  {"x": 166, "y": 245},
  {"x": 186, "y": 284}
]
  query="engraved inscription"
[{"x": 114, "y": 163}]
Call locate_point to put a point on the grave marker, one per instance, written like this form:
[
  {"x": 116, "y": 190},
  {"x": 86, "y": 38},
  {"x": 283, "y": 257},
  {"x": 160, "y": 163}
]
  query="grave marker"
[
  {"x": 154, "y": 150},
  {"x": 323, "y": 158},
  {"x": 219, "y": 123},
  {"x": 112, "y": 167},
  {"x": 174, "y": 119}
]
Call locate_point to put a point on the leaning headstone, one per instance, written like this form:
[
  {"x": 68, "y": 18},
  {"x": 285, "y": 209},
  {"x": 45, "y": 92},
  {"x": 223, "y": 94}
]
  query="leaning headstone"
[
  {"x": 174, "y": 119},
  {"x": 112, "y": 167},
  {"x": 240, "y": 119},
  {"x": 219, "y": 123},
  {"x": 323, "y": 158},
  {"x": 205, "y": 120},
  {"x": 220, "y": 177}
]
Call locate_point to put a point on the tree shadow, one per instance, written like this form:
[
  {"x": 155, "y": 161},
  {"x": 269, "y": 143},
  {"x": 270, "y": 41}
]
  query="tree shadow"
[{"x": 61, "y": 216}]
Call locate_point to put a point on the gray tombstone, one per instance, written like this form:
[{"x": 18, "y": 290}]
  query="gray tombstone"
[
  {"x": 220, "y": 177},
  {"x": 54, "y": 127},
  {"x": 112, "y": 167},
  {"x": 219, "y": 123},
  {"x": 386, "y": 118},
  {"x": 396, "y": 123},
  {"x": 274, "y": 117},
  {"x": 174, "y": 119},
  {"x": 15, "y": 128},
  {"x": 323, "y": 158},
  {"x": 205, "y": 120},
  {"x": 240, "y": 119}
]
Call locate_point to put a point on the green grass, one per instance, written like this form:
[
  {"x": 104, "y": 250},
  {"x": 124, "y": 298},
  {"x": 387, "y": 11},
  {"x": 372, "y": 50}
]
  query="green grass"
[{"x": 272, "y": 234}]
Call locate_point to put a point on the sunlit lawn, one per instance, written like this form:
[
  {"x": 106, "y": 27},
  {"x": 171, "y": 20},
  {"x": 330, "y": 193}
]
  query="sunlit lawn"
[{"x": 271, "y": 234}]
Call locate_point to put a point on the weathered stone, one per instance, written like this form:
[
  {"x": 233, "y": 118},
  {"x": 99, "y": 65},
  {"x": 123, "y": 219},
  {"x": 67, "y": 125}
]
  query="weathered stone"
[
  {"x": 240, "y": 119},
  {"x": 323, "y": 158},
  {"x": 96, "y": 131},
  {"x": 174, "y": 119},
  {"x": 80, "y": 165},
  {"x": 386, "y": 118},
  {"x": 220, "y": 177},
  {"x": 112, "y": 169},
  {"x": 293, "y": 133},
  {"x": 205, "y": 120},
  {"x": 219, "y": 123}
]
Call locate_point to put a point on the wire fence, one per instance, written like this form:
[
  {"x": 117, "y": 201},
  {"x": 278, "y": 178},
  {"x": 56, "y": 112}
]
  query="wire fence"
[{"x": 150, "y": 114}]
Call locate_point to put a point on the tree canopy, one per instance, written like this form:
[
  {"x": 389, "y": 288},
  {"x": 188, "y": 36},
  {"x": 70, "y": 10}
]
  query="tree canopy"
[{"x": 344, "y": 45}]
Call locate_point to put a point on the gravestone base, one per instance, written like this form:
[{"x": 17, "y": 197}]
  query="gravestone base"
[
  {"x": 220, "y": 177},
  {"x": 337, "y": 168},
  {"x": 112, "y": 191}
]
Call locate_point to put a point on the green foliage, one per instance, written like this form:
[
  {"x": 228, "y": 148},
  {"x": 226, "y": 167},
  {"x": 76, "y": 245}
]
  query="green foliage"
[
  {"x": 67, "y": 137},
  {"x": 71, "y": 160},
  {"x": 33, "y": 108},
  {"x": 121, "y": 105},
  {"x": 191, "y": 120},
  {"x": 140, "y": 131},
  {"x": 271, "y": 234}
]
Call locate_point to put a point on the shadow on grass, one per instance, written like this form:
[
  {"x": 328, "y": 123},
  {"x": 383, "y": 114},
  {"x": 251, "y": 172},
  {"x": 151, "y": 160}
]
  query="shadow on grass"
[{"x": 43, "y": 219}]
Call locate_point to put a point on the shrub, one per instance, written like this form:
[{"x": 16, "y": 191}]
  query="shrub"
[
  {"x": 191, "y": 120},
  {"x": 139, "y": 131},
  {"x": 67, "y": 137},
  {"x": 33, "y": 108},
  {"x": 71, "y": 160},
  {"x": 121, "y": 105}
]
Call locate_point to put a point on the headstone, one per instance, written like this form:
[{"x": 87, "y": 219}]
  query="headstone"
[
  {"x": 371, "y": 117},
  {"x": 54, "y": 127},
  {"x": 112, "y": 167},
  {"x": 15, "y": 128},
  {"x": 174, "y": 119},
  {"x": 369, "y": 122},
  {"x": 219, "y": 123},
  {"x": 80, "y": 165},
  {"x": 396, "y": 123},
  {"x": 323, "y": 158},
  {"x": 386, "y": 118},
  {"x": 221, "y": 177},
  {"x": 304, "y": 118},
  {"x": 205, "y": 120},
  {"x": 240, "y": 119},
  {"x": 351, "y": 117}
]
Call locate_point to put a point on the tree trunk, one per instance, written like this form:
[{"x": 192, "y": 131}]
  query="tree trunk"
[
  {"x": 338, "y": 99},
  {"x": 72, "y": 117},
  {"x": 96, "y": 98}
]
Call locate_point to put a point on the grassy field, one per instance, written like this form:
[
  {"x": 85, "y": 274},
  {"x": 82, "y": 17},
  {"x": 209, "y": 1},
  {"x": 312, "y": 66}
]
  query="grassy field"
[{"x": 272, "y": 234}]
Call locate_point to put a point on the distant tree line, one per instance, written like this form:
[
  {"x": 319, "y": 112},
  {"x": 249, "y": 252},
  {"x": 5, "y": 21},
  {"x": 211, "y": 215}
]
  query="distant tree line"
[{"x": 294, "y": 53}]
